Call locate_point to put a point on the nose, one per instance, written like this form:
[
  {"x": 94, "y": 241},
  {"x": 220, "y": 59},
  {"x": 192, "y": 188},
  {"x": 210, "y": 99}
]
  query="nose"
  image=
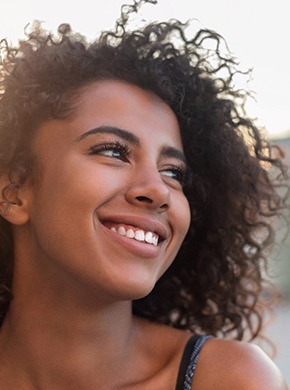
[{"x": 149, "y": 190}]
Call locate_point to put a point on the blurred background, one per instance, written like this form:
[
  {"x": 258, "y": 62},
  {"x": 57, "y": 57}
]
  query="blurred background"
[{"x": 257, "y": 34}]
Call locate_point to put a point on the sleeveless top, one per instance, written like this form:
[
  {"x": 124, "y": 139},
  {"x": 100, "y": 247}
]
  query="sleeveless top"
[{"x": 189, "y": 361}]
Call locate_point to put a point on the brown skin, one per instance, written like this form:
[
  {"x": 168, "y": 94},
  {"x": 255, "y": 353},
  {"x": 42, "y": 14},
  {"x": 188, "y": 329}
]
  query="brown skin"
[{"x": 70, "y": 323}]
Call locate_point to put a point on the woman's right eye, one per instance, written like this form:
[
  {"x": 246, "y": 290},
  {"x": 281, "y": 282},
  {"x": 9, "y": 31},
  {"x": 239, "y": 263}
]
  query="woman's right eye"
[{"x": 115, "y": 150}]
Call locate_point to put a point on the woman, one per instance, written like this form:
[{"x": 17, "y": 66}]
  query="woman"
[{"x": 131, "y": 179}]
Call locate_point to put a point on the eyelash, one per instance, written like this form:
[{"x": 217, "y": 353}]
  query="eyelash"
[
  {"x": 116, "y": 146},
  {"x": 179, "y": 173}
]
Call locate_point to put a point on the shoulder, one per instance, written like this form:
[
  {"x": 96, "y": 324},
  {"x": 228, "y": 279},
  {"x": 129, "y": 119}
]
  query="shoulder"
[{"x": 227, "y": 365}]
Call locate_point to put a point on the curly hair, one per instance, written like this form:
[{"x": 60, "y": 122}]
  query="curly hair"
[{"x": 215, "y": 284}]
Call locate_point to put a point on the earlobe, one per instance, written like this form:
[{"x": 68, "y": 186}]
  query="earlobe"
[{"x": 14, "y": 204}]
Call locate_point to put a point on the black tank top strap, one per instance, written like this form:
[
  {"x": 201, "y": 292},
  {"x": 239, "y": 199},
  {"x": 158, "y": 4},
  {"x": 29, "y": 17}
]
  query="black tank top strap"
[{"x": 189, "y": 360}]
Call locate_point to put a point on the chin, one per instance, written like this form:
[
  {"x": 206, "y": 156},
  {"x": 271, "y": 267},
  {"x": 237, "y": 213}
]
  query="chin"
[{"x": 136, "y": 291}]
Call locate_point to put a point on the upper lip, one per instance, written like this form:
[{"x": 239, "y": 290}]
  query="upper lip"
[{"x": 143, "y": 223}]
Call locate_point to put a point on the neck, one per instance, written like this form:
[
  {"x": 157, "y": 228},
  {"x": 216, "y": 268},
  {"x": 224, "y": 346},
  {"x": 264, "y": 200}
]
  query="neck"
[
  {"x": 59, "y": 341},
  {"x": 61, "y": 332}
]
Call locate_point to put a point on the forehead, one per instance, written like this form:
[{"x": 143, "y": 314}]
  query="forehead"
[
  {"x": 125, "y": 103},
  {"x": 118, "y": 104},
  {"x": 121, "y": 92}
]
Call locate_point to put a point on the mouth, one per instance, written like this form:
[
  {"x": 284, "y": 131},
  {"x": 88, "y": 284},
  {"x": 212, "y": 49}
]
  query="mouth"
[{"x": 132, "y": 232}]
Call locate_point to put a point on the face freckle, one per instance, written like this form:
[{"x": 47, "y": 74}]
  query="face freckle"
[{"x": 109, "y": 212}]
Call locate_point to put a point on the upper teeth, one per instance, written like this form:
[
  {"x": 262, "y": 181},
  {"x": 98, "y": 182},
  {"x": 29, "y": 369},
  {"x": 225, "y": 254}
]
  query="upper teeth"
[{"x": 139, "y": 235}]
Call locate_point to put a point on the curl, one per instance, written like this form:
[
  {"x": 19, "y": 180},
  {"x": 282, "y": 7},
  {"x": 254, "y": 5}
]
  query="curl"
[{"x": 216, "y": 282}]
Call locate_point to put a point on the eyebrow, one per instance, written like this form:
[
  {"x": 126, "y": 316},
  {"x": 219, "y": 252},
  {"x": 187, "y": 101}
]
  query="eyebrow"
[
  {"x": 169, "y": 151},
  {"x": 121, "y": 133},
  {"x": 166, "y": 151}
]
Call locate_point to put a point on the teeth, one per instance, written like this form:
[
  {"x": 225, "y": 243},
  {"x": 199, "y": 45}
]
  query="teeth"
[
  {"x": 130, "y": 233},
  {"x": 149, "y": 237},
  {"x": 122, "y": 231},
  {"x": 138, "y": 235}
]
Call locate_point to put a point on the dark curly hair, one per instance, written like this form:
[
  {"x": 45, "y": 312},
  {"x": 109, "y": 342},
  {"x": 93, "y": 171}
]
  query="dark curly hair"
[{"x": 236, "y": 181}]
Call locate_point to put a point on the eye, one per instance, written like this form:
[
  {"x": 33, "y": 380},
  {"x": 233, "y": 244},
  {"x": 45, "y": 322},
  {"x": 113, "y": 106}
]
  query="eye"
[
  {"x": 114, "y": 149},
  {"x": 175, "y": 173}
]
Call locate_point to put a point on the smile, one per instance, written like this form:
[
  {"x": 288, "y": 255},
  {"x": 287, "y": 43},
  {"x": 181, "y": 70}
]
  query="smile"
[{"x": 138, "y": 235}]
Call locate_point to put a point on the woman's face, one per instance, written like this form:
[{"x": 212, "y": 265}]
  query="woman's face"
[{"x": 107, "y": 211}]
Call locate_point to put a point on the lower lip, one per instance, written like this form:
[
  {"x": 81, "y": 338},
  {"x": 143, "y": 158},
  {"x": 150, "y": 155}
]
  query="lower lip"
[{"x": 138, "y": 248}]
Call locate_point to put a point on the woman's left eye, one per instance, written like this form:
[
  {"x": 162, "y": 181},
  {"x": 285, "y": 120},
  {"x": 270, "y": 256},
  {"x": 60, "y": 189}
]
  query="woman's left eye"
[
  {"x": 111, "y": 153},
  {"x": 113, "y": 150},
  {"x": 175, "y": 173}
]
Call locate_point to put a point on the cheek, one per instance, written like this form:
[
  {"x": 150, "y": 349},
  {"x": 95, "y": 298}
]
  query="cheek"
[
  {"x": 180, "y": 221},
  {"x": 182, "y": 216}
]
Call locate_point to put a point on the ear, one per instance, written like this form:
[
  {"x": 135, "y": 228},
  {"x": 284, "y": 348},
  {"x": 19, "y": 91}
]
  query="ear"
[{"x": 14, "y": 202}]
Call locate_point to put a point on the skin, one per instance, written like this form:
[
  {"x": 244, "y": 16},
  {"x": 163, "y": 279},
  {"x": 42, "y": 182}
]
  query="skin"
[{"x": 70, "y": 323}]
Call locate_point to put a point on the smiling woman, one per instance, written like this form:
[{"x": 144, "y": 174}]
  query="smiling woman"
[
  {"x": 135, "y": 197},
  {"x": 114, "y": 180}
]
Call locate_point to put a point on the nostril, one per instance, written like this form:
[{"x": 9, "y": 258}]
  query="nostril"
[
  {"x": 144, "y": 199},
  {"x": 150, "y": 201},
  {"x": 150, "y": 197}
]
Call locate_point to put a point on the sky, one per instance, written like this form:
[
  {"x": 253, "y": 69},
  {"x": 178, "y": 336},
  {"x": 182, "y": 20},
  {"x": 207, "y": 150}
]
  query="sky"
[{"x": 257, "y": 34}]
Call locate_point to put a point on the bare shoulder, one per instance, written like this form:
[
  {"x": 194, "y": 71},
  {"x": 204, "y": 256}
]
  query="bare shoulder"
[{"x": 227, "y": 365}]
